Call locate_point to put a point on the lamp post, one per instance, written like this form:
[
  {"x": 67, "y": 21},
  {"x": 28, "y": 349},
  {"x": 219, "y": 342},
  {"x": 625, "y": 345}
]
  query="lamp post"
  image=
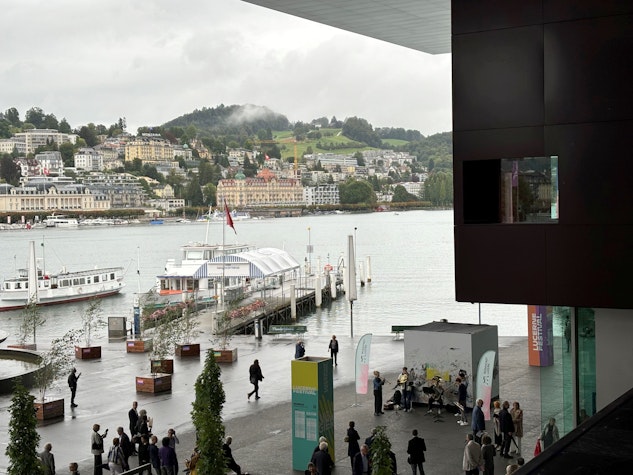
[{"x": 309, "y": 251}]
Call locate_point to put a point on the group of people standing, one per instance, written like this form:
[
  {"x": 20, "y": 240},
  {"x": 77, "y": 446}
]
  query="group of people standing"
[{"x": 142, "y": 443}]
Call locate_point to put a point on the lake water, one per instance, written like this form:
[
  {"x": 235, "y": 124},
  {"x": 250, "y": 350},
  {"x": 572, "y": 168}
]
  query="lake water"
[{"x": 412, "y": 266}]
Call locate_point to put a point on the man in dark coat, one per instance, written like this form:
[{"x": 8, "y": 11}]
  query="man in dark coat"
[
  {"x": 228, "y": 456},
  {"x": 362, "y": 462},
  {"x": 416, "y": 449},
  {"x": 72, "y": 384},
  {"x": 255, "y": 376},
  {"x": 321, "y": 458},
  {"x": 478, "y": 423},
  {"x": 133, "y": 416},
  {"x": 507, "y": 429}
]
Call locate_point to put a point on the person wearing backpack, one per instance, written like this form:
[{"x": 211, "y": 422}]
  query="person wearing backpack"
[{"x": 116, "y": 459}]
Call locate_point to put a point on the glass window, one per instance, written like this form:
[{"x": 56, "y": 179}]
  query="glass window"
[{"x": 529, "y": 190}]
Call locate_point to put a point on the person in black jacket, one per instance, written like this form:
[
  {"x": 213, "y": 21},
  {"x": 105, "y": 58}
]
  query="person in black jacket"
[
  {"x": 507, "y": 429},
  {"x": 255, "y": 375},
  {"x": 72, "y": 384},
  {"x": 416, "y": 449},
  {"x": 352, "y": 442},
  {"x": 322, "y": 460},
  {"x": 228, "y": 456}
]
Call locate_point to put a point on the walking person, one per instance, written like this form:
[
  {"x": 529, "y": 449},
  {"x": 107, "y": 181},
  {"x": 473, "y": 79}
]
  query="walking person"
[
  {"x": 333, "y": 347},
  {"x": 96, "y": 448},
  {"x": 472, "y": 456},
  {"x": 48, "y": 460},
  {"x": 507, "y": 429},
  {"x": 495, "y": 417},
  {"x": 255, "y": 375},
  {"x": 517, "y": 418},
  {"x": 228, "y": 456},
  {"x": 416, "y": 449},
  {"x": 300, "y": 350},
  {"x": 478, "y": 424},
  {"x": 352, "y": 439},
  {"x": 378, "y": 384},
  {"x": 72, "y": 384}
]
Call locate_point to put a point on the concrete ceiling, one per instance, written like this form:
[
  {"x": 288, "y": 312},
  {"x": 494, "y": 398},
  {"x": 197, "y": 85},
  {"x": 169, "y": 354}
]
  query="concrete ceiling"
[{"x": 423, "y": 25}]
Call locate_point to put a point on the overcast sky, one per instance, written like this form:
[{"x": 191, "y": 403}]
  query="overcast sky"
[{"x": 153, "y": 60}]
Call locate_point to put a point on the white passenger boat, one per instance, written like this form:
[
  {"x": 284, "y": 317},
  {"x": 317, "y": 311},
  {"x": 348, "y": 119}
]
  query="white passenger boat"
[
  {"x": 37, "y": 285},
  {"x": 60, "y": 221}
]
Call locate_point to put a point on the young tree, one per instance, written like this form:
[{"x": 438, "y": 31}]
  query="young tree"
[
  {"x": 23, "y": 435},
  {"x": 381, "y": 460},
  {"x": 207, "y": 418},
  {"x": 32, "y": 318}
]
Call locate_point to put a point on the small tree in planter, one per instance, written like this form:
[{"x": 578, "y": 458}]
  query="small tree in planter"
[
  {"x": 32, "y": 318},
  {"x": 164, "y": 336},
  {"x": 188, "y": 331},
  {"x": 23, "y": 436},
  {"x": 91, "y": 321},
  {"x": 223, "y": 335},
  {"x": 55, "y": 363},
  {"x": 206, "y": 416}
]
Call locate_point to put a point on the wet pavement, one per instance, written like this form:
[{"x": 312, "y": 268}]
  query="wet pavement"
[{"x": 261, "y": 430}]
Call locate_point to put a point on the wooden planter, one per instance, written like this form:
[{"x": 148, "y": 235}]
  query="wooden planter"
[
  {"x": 192, "y": 349},
  {"x": 49, "y": 409},
  {"x": 26, "y": 346},
  {"x": 156, "y": 383},
  {"x": 165, "y": 366},
  {"x": 138, "y": 346},
  {"x": 225, "y": 356},
  {"x": 87, "y": 352}
]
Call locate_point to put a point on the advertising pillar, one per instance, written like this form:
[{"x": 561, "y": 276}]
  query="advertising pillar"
[{"x": 312, "y": 407}]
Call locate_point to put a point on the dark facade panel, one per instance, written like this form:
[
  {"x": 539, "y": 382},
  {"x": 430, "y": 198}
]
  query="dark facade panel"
[
  {"x": 498, "y": 79},
  {"x": 589, "y": 266},
  {"x": 498, "y": 143},
  {"x": 589, "y": 70},
  {"x": 469, "y": 16},
  {"x": 595, "y": 172},
  {"x": 564, "y": 10},
  {"x": 497, "y": 264}
]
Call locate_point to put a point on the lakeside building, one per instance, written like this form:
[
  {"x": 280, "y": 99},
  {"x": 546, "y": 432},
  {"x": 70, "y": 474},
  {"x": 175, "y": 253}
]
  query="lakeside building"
[
  {"x": 88, "y": 159},
  {"x": 545, "y": 84},
  {"x": 266, "y": 189},
  {"x": 45, "y": 195},
  {"x": 321, "y": 195},
  {"x": 122, "y": 189}
]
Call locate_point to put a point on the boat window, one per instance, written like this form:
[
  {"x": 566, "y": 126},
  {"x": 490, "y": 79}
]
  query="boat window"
[
  {"x": 89, "y": 280},
  {"x": 194, "y": 254},
  {"x": 163, "y": 285},
  {"x": 96, "y": 279},
  {"x": 75, "y": 281},
  {"x": 18, "y": 286},
  {"x": 82, "y": 281},
  {"x": 112, "y": 276}
]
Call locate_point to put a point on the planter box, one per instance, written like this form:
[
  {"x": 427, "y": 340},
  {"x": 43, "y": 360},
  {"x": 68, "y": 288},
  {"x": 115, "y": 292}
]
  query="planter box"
[
  {"x": 156, "y": 383},
  {"x": 26, "y": 346},
  {"x": 162, "y": 366},
  {"x": 225, "y": 356},
  {"x": 192, "y": 349},
  {"x": 138, "y": 346},
  {"x": 87, "y": 352},
  {"x": 49, "y": 409}
]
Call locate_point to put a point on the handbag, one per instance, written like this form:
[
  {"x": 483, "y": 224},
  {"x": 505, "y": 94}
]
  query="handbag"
[
  {"x": 346, "y": 439},
  {"x": 537, "y": 448}
]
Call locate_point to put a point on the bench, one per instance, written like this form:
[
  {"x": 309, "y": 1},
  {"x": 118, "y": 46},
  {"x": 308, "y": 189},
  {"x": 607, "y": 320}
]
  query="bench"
[
  {"x": 398, "y": 329},
  {"x": 287, "y": 329}
]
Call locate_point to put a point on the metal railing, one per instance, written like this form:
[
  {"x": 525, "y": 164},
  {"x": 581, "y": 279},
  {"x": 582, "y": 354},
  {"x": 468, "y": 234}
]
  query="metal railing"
[{"x": 145, "y": 468}]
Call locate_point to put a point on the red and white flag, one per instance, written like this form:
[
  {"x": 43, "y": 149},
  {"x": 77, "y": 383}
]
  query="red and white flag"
[
  {"x": 267, "y": 157},
  {"x": 229, "y": 218}
]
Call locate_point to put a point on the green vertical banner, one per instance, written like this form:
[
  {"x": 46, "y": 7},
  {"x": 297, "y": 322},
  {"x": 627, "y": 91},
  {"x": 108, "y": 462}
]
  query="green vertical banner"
[{"x": 312, "y": 407}]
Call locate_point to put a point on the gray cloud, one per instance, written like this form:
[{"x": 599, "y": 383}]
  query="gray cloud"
[{"x": 152, "y": 61}]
